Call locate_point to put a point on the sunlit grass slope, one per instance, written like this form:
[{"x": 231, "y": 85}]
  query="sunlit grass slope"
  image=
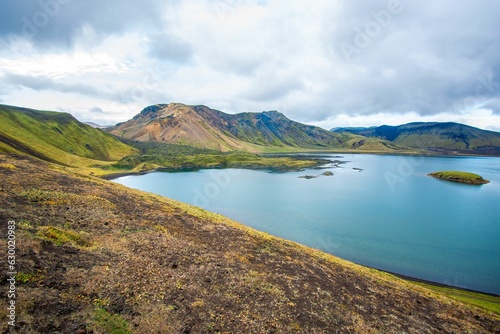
[{"x": 57, "y": 137}]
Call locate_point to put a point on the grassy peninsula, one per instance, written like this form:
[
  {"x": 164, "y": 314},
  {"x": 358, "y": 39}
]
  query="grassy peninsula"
[
  {"x": 460, "y": 177},
  {"x": 153, "y": 155},
  {"x": 94, "y": 256}
]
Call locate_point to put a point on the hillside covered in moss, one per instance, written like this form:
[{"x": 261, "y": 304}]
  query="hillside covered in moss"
[
  {"x": 97, "y": 257},
  {"x": 57, "y": 137}
]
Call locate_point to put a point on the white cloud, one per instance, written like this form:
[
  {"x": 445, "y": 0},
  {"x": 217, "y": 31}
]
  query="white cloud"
[
  {"x": 419, "y": 60},
  {"x": 481, "y": 118}
]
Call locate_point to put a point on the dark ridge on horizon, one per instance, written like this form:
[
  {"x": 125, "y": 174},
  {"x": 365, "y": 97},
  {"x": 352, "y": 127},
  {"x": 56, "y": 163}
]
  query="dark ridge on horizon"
[{"x": 435, "y": 136}]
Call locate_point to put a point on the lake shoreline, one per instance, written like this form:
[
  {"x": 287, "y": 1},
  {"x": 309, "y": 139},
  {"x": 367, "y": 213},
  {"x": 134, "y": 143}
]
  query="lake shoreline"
[
  {"x": 216, "y": 189},
  {"x": 137, "y": 257},
  {"x": 320, "y": 161},
  {"x": 432, "y": 283},
  {"x": 402, "y": 276},
  {"x": 111, "y": 176},
  {"x": 407, "y": 278}
]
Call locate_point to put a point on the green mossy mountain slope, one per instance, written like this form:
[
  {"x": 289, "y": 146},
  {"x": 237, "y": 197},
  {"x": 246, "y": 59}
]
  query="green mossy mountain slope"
[{"x": 57, "y": 137}]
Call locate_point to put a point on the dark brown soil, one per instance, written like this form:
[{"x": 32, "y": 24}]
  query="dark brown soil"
[{"x": 163, "y": 267}]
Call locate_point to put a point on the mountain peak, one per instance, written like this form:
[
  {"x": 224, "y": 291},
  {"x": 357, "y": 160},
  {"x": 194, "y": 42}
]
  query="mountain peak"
[
  {"x": 201, "y": 126},
  {"x": 153, "y": 109}
]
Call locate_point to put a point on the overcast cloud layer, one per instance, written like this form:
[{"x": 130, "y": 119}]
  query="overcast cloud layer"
[{"x": 329, "y": 63}]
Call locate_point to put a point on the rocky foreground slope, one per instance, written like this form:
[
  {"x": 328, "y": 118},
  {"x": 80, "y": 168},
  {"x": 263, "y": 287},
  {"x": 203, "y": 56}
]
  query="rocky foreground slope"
[{"x": 96, "y": 257}]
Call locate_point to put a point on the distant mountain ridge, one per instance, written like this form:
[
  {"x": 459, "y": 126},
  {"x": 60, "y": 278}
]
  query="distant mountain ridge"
[
  {"x": 201, "y": 126},
  {"x": 97, "y": 126},
  {"x": 59, "y": 137},
  {"x": 435, "y": 136}
]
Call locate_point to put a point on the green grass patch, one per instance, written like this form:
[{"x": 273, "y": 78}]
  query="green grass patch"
[
  {"x": 45, "y": 197},
  {"x": 25, "y": 224},
  {"x": 60, "y": 236},
  {"x": 23, "y": 277},
  {"x": 106, "y": 322},
  {"x": 481, "y": 300},
  {"x": 7, "y": 166}
]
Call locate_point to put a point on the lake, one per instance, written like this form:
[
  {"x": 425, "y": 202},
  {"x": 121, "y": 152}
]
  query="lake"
[{"x": 390, "y": 215}]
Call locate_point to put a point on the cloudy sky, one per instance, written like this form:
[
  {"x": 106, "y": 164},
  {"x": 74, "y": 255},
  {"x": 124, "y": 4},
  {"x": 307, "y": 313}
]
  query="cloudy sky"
[{"x": 324, "y": 62}]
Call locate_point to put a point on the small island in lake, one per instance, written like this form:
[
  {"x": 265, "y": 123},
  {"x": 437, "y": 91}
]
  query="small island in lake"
[{"x": 461, "y": 177}]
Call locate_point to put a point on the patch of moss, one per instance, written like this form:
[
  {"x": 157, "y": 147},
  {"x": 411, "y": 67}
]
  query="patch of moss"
[
  {"x": 198, "y": 303},
  {"x": 25, "y": 224},
  {"x": 162, "y": 229},
  {"x": 60, "y": 236},
  {"x": 46, "y": 197},
  {"x": 7, "y": 166},
  {"x": 106, "y": 322},
  {"x": 59, "y": 198},
  {"x": 23, "y": 277},
  {"x": 478, "y": 299}
]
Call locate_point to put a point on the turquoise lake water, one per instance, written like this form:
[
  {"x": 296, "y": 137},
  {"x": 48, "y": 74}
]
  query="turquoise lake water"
[{"x": 390, "y": 216}]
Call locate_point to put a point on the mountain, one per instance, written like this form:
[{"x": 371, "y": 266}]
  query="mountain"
[
  {"x": 97, "y": 126},
  {"x": 434, "y": 136},
  {"x": 57, "y": 137},
  {"x": 203, "y": 127},
  {"x": 348, "y": 129}
]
